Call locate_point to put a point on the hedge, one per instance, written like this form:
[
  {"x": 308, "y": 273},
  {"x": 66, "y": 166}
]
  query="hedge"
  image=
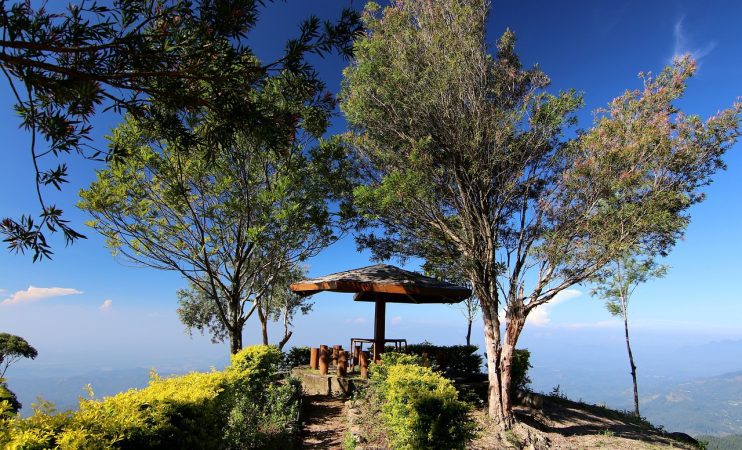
[
  {"x": 197, "y": 410},
  {"x": 420, "y": 408},
  {"x": 452, "y": 360}
]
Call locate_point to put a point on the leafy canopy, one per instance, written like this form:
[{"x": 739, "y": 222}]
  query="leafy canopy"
[
  {"x": 167, "y": 62},
  {"x": 13, "y": 348}
]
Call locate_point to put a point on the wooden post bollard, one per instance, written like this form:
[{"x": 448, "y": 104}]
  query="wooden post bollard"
[
  {"x": 342, "y": 363},
  {"x": 364, "y": 357},
  {"x": 335, "y": 355},
  {"x": 323, "y": 360},
  {"x": 356, "y": 356},
  {"x": 314, "y": 358}
]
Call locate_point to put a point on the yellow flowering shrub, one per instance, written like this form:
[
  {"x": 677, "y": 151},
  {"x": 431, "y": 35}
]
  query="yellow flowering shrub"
[
  {"x": 421, "y": 410},
  {"x": 188, "y": 411}
]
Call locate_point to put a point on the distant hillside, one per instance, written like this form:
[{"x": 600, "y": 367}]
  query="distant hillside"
[
  {"x": 733, "y": 442},
  {"x": 705, "y": 406}
]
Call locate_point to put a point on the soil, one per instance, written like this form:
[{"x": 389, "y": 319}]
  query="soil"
[
  {"x": 325, "y": 422},
  {"x": 556, "y": 423},
  {"x": 562, "y": 424}
]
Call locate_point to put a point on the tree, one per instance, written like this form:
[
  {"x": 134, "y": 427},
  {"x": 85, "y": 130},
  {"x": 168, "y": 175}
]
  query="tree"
[
  {"x": 465, "y": 157},
  {"x": 12, "y": 349},
  {"x": 198, "y": 312},
  {"x": 283, "y": 304},
  {"x": 163, "y": 61},
  {"x": 231, "y": 221},
  {"x": 617, "y": 282}
]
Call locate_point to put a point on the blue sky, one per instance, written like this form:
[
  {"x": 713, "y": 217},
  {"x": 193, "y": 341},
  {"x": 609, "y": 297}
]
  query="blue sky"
[{"x": 105, "y": 313}]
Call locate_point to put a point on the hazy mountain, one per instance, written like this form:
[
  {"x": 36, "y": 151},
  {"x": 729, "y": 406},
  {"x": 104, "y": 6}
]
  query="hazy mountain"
[{"x": 702, "y": 406}]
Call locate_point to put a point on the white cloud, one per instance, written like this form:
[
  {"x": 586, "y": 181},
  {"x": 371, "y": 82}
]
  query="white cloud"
[
  {"x": 106, "y": 305},
  {"x": 540, "y": 315},
  {"x": 33, "y": 294},
  {"x": 357, "y": 320},
  {"x": 599, "y": 324},
  {"x": 682, "y": 45},
  {"x": 396, "y": 320}
]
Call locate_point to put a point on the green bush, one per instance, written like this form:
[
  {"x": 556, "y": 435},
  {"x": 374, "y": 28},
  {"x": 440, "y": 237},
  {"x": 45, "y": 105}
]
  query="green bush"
[
  {"x": 519, "y": 371},
  {"x": 451, "y": 360},
  {"x": 197, "y": 410},
  {"x": 6, "y": 395},
  {"x": 297, "y": 356},
  {"x": 420, "y": 408}
]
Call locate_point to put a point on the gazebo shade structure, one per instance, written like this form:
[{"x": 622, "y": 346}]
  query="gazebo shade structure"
[{"x": 383, "y": 283}]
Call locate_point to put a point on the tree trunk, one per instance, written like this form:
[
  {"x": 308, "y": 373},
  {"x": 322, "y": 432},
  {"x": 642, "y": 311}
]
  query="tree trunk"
[
  {"x": 263, "y": 324},
  {"x": 631, "y": 363},
  {"x": 468, "y": 331},
  {"x": 235, "y": 341},
  {"x": 493, "y": 348},
  {"x": 516, "y": 321},
  {"x": 286, "y": 332},
  {"x": 285, "y": 339}
]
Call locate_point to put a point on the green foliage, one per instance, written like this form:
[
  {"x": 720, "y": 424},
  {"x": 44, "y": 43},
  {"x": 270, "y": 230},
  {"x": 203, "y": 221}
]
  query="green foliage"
[
  {"x": 198, "y": 410},
  {"x": 519, "y": 371},
  {"x": 234, "y": 223},
  {"x": 297, "y": 356},
  {"x": 471, "y": 163},
  {"x": 13, "y": 348},
  {"x": 164, "y": 61},
  {"x": 456, "y": 360},
  {"x": 422, "y": 410},
  {"x": 8, "y": 399},
  {"x": 731, "y": 442}
]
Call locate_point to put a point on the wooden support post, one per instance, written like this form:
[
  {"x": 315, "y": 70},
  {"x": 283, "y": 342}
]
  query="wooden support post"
[
  {"x": 323, "y": 360},
  {"x": 342, "y": 363},
  {"x": 379, "y": 328},
  {"x": 364, "y": 356},
  {"x": 335, "y": 351},
  {"x": 356, "y": 357},
  {"x": 314, "y": 358}
]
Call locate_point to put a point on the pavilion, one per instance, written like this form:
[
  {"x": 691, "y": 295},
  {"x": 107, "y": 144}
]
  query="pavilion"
[{"x": 382, "y": 284}]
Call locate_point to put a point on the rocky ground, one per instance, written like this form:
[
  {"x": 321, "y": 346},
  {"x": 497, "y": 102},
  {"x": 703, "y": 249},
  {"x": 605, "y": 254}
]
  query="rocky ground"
[
  {"x": 551, "y": 423},
  {"x": 562, "y": 424}
]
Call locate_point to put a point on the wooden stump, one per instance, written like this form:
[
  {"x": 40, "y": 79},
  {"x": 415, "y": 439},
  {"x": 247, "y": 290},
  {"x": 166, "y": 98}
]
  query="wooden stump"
[
  {"x": 323, "y": 360},
  {"x": 314, "y": 358},
  {"x": 364, "y": 357},
  {"x": 342, "y": 363}
]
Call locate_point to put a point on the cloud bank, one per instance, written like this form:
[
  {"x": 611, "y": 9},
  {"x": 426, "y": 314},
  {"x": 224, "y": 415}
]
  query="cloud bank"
[{"x": 33, "y": 294}]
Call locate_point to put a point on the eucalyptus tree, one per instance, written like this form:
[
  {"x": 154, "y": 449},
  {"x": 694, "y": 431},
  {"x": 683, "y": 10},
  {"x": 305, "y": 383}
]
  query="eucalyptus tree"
[
  {"x": 164, "y": 61},
  {"x": 616, "y": 284},
  {"x": 231, "y": 217},
  {"x": 465, "y": 157}
]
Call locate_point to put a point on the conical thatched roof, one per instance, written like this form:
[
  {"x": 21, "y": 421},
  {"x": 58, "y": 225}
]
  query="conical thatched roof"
[{"x": 387, "y": 283}]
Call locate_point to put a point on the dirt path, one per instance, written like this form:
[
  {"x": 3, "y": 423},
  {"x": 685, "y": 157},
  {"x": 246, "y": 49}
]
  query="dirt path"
[{"x": 325, "y": 422}]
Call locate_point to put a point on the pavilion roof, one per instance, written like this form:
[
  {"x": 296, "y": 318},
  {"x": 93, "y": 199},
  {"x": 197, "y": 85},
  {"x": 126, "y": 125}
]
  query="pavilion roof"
[{"x": 385, "y": 282}]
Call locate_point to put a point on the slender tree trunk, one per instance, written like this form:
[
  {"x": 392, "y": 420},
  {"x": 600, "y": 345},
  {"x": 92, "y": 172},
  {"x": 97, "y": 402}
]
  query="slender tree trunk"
[
  {"x": 631, "y": 363},
  {"x": 468, "y": 331},
  {"x": 493, "y": 347},
  {"x": 235, "y": 340},
  {"x": 286, "y": 332},
  {"x": 515, "y": 323},
  {"x": 263, "y": 324}
]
